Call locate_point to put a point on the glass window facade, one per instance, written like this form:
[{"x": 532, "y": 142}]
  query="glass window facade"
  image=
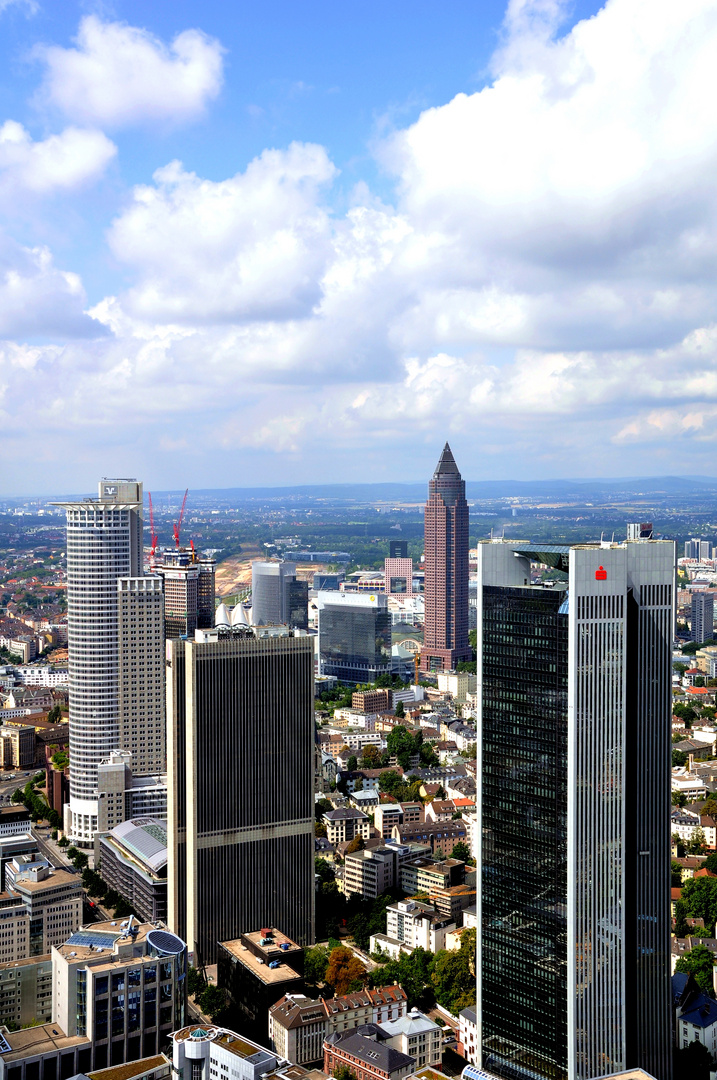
[
  {"x": 355, "y": 641},
  {"x": 524, "y": 807}
]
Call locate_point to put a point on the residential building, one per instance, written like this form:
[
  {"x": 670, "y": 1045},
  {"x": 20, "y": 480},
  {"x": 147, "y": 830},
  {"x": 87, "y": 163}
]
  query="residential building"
[
  {"x": 277, "y": 596},
  {"x": 575, "y": 926},
  {"x": 344, "y": 824},
  {"x": 372, "y": 871},
  {"x": 43, "y": 909},
  {"x": 26, "y": 991},
  {"x": 468, "y": 1035},
  {"x": 366, "y": 1053},
  {"x": 695, "y": 1014},
  {"x": 132, "y": 859},
  {"x": 241, "y": 768},
  {"x": 456, "y": 683},
  {"x": 385, "y": 816},
  {"x": 702, "y": 616},
  {"x": 446, "y": 569},
  {"x": 14, "y": 820},
  {"x": 441, "y": 836},
  {"x": 113, "y": 668},
  {"x": 416, "y": 1036},
  {"x": 257, "y": 970},
  {"x": 411, "y": 924},
  {"x": 372, "y": 701},
  {"x": 297, "y": 1023},
  {"x": 215, "y": 1053},
  {"x": 354, "y": 636},
  {"x": 188, "y": 591},
  {"x": 123, "y": 986},
  {"x": 413, "y": 813}
]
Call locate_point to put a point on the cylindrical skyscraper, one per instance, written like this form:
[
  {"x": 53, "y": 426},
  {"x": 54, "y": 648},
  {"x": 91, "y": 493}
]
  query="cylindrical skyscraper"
[
  {"x": 104, "y": 543},
  {"x": 446, "y": 569}
]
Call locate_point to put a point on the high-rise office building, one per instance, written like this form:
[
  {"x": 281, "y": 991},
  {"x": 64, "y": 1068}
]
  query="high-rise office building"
[
  {"x": 702, "y": 616},
  {"x": 446, "y": 569},
  {"x": 574, "y": 805},
  {"x": 278, "y": 597},
  {"x": 140, "y": 634},
  {"x": 354, "y": 636},
  {"x": 240, "y": 799},
  {"x": 113, "y": 636},
  {"x": 698, "y": 549},
  {"x": 188, "y": 592},
  {"x": 398, "y": 569}
]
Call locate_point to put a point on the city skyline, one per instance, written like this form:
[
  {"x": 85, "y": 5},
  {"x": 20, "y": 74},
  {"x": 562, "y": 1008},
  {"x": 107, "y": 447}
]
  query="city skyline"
[{"x": 227, "y": 231}]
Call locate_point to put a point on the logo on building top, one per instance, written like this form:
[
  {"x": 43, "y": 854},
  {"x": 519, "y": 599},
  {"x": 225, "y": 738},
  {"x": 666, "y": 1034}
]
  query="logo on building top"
[{"x": 601, "y": 574}]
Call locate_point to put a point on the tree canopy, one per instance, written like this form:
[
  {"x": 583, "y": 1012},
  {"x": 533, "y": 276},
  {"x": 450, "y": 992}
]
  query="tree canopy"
[
  {"x": 700, "y": 962},
  {"x": 344, "y": 971}
]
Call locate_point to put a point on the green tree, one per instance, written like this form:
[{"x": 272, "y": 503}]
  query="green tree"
[
  {"x": 710, "y": 863},
  {"x": 371, "y": 757},
  {"x": 342, "y": 1072},
  {"x": 323, "y": 806},
  {"x": 72, "y": 853},
  {"x": 54, "y": 716},
  {"x": 697, "y": 844},
  {"x": 710, "y": 807},
  {"x": 454, "y": 975},
  {"x": 195, "y": 981},
  {"x": 357, "y": 844},
  {"x": 316, "y": 961},
  {"x": 461, "y": 851},
  {"x": 400, "y": 711},
  {"x": 676, "y": 875},
  {"x": 694, "y": 1062},
  {"x": 679, "y": 758},
  {"x": 700, "y": 962},
  {"x": 700, "y": 898},
  {"x": 63, "y": 841},
  {"x": 80, "y": 860},
  {"x": 352, "y": 763},
  {"x": 323, "y": 869},
  {"x": 681, "y": 913},
  {"x": 211, "y": 1001}
]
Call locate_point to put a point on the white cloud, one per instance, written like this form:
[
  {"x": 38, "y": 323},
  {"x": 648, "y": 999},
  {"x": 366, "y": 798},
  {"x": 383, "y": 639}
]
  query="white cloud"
[
  {"x": 60, "y": 162},
  {"x": 120, "y": 75},
  {"x": 31, "y": 6},
  {"x": 251, "y": 247}
]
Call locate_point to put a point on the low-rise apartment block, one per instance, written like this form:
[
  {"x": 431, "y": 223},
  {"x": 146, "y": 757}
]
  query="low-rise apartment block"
[
  {"x": 441, "y": 836},
  {"x": 345, "y": 824},
  {"x": 416, "y": 1036},
  {"x": 366, "y": 1054},
  {"x": 411, "y": 924}
]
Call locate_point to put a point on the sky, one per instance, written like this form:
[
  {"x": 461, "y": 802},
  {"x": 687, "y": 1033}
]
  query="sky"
[{"x": 279, "y": 243}]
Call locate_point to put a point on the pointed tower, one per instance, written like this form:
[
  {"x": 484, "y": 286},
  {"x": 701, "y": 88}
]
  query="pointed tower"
[{"x": 446, "y": 569}]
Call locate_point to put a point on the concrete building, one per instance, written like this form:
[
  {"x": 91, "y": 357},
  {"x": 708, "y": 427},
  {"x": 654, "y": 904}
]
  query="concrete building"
[
  {"x": 385, "y": 816},
  {"x": 297, "y": 1029},
  {"x": 189, "y": 591},
  {"x": 440, "y": 836},
  {"x": 214, "y": 1053},
  {"x": 702, "y": 616},
  {"x": 17, "y": 745},
  {"x": 112, "y": 667},
  {"x": 121, "y": 795},
  {"x": 241, "y": 786},
  {"x": 140, "y": 620},
  {"x": 372, "y": 701},
  {"x": 468, "y": 1035},
  {"x": 14, "y": 820},
  {"x": 370, "y": 872},
  {"x": 123, "y": 986},
  {"x": 354, "y": 636},
  {"x": 26, "y": 991},
  {"x": 257, "y": 970},
  {"x": 456, "y": 683},
  {"x": 417, "y": 1036},
  {"x": 133, "y": 860},
  {"x": 345, "y": 823},
  {"x": 576, "y": 690},
  {"x": 13, "y": 846},
  {"x": 43, "y": 909},
  {"x": 398, "y": 570},
  {"x": 446, "y": 569},
  {"x": 411, "y": 924}
]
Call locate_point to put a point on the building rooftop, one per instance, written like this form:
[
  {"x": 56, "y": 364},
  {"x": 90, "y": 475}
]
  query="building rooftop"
[
  {"x": 132, "y": 1068},
  {"x": 365, "y": 1048},
  {"x": 35, "y": 1041},
  {"x": 344, "y": 813},
  {"x": 96, "y": 939},
  {"x": 260, "y": 966},
  {"x": 146, "y": 839},
  {"x": 415, "y": 1023},
  {"x": 229, "y": 1040}
]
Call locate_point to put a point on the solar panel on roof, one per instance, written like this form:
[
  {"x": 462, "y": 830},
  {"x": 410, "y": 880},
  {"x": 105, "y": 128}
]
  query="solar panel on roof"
[{"x": 101, "y": 939}]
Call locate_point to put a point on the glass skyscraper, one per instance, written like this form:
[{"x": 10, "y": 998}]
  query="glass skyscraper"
[
  {"x": 354, "y": 636},
  {"x": 574, "y": 800}
]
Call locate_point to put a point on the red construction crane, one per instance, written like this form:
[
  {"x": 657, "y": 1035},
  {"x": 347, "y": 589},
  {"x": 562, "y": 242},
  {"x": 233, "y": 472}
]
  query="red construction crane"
[
  {"x": 152, "y": 533},
  {"x": 180, "y": 519}
]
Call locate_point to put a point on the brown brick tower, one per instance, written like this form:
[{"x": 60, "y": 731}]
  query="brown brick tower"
[{"x": 446, "y": 569}]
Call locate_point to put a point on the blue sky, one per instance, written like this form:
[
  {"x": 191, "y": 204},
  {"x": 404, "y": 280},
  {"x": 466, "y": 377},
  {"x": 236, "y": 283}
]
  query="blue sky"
[{"x": 275, "y": 243}]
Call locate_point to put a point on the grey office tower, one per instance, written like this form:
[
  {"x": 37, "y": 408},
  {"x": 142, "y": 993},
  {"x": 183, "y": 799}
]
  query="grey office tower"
[
  {"x": 240, "y": 718},
  {"x": 573, "y": 958}
]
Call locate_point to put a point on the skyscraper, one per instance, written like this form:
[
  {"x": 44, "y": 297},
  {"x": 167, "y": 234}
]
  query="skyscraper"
[
  {"x": 114, "y": 642},
  {"x": 240, "y": 786},
  {"x": 354, "y": 636},
  {"x": 398, "y": 569},
  {"x": 188, "y": 592},
  {"x": 574, "y": 807},
  {"x": 446, "y": 569},
  {"x": 278, "y": 597},
  {"x": 702, "y": 616}
]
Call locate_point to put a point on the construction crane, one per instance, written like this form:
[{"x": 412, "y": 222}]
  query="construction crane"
[
  {"x": 152, "y": 533},
  {"x": 180, "y": 519}
]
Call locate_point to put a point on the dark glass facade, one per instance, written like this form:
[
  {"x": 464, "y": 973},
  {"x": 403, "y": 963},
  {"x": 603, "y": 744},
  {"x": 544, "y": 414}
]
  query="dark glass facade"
[
  {"x": 241, "y": 789},
  {"x": 524, "y": 808},
  {"x": 355, "y": 641}
]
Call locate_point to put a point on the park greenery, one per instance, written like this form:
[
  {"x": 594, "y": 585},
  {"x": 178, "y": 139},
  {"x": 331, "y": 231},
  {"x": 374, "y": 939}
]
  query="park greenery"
[{"x": 33, "y": 801}]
